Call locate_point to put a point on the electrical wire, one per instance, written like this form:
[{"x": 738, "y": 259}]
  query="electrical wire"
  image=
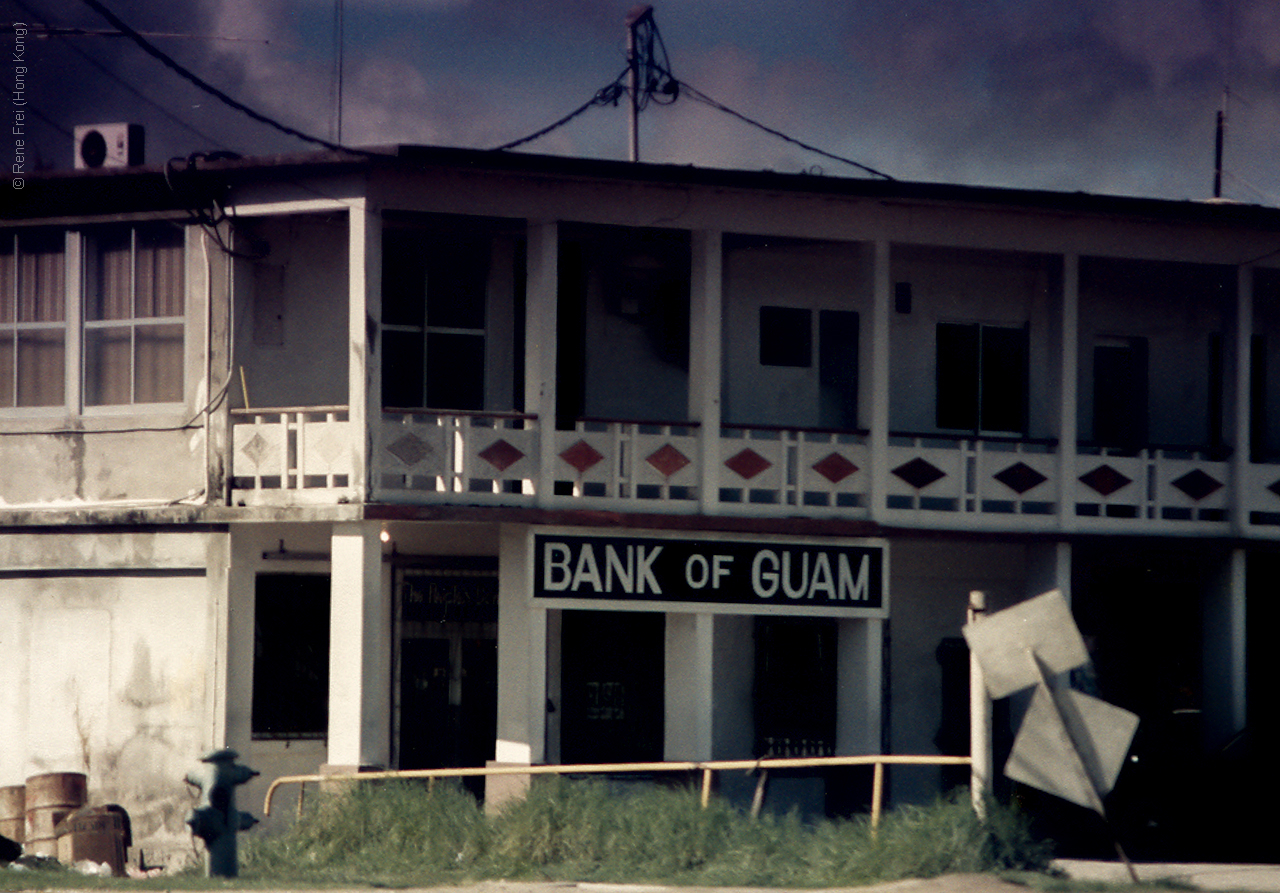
[
  {"x": 608, "y": 95},
  {"x": 204, "y": 85},
  {"x": 698, "y": 95},
  {"x": 123, "y": 83}
]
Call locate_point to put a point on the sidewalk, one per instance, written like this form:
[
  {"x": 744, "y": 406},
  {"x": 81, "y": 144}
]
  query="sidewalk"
[{"x": 1200, "y": 875}]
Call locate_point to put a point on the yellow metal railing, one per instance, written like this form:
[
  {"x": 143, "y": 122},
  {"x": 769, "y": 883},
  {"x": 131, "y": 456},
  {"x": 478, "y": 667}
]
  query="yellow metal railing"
[{"x": 706, "y": 767}]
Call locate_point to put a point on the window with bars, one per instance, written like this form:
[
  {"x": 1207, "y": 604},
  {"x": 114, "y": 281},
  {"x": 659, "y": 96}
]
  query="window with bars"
[
  {"x": 33, "y": 319},
  {"x": 134, "y": 316}
]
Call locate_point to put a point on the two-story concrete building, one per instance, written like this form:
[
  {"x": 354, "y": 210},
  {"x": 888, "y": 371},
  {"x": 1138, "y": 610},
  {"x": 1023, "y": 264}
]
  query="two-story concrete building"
[{"x": 420, "y": 457}]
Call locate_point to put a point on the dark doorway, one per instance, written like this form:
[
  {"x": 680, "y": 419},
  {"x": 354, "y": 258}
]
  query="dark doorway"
[
  {"x": 1120, "y": 393},
  {"x": 448, "y": 668},
  {"x": 611, "y": 686}
]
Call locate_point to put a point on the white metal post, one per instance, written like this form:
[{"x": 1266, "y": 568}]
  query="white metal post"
[{"x": 979, "y": 719}]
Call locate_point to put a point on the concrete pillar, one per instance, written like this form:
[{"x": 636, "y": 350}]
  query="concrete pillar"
[
  {"x": 733, "y": 671},
  {"x": 359, "y": 649},
  {"x": 1068, "y": 396},
  {"x": 1224, "y": 652},
  {"x": 364, "y": 316},
  {"x": 522, "y": 656},
  {"x": 243, "y": 553},
  {"x": 860, "y": 686},
  {"x": 1241, "y": 402},
  {"x": 879, "y": 385},
  {"x": 542, "y": 285},
  {"x": 705, "y": 356},
  {"x": 688, "y": 686}
]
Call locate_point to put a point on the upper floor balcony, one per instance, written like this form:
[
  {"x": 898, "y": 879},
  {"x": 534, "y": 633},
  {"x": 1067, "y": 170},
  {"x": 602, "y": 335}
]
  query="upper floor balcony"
[{"x": 305, "y": 455}]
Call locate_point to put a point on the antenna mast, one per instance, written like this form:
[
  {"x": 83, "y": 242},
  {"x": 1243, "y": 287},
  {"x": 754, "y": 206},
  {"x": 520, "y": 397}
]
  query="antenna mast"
[
  {"x": 1220, "y": 136},
  {"x": 635, "y": 18}
]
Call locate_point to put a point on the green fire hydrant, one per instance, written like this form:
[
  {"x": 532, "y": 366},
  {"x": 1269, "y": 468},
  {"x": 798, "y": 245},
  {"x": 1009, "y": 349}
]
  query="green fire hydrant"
[{"x": 216, "y": 820}]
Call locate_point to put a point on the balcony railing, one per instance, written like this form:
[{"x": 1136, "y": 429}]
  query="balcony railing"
[
  {"x": 291, "y": 455},
  {"x": 305, "y": 455}
]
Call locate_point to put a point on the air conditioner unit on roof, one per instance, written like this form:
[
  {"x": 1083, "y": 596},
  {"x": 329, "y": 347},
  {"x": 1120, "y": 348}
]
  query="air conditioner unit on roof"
[{"x": 108, "y": 145}]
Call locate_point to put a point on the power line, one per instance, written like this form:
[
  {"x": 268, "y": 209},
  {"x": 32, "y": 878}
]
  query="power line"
[
  {"x": 204, "y": 85},
  {"x": 608, "y": 95},
  {"x": 123, "y": 83},
  {"x": 718, "y": 106}
]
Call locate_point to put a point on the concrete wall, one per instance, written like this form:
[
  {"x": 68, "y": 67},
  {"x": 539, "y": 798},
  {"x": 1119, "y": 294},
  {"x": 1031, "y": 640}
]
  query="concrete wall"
[
  {"x": 291, "y": 314},
  {"x": 1176, "y": 307},
  {"x": 929, "y": 584},
  {"x": 109, "y": 643},
  {"x": 814, "y": 276},
  {"x": 965, "y": 286}
]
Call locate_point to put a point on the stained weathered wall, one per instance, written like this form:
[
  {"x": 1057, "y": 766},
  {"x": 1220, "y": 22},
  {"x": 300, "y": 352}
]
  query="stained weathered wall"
[{"x": 109, "y": 642}]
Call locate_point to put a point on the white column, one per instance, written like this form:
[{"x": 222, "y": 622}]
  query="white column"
[
  {"x": 359, "y": 649},
  {"x": 522, "y": 656},
  {"x": 1069, "y": 396},
  {"x": 705, "y": 354},
  {"x": 882, "y": 289},
  {"x": 364, "y": 316},
  {"x": 1224, "y": 652},
  {"x": 860, "y": 686},
  {"x": 542, "y": 284},
  {"x": 688, "y": 687},
  {"x": 1242, "y": 403}
]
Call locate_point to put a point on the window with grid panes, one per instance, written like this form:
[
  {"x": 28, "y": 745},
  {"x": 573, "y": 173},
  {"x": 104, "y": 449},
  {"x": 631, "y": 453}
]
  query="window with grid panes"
[
  {"x": 33, "y": 319},
  {"x": 134, "y": 315}
]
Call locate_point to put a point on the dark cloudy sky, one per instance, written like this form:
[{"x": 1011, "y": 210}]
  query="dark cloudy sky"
[{"x": 1108, "y": 96}]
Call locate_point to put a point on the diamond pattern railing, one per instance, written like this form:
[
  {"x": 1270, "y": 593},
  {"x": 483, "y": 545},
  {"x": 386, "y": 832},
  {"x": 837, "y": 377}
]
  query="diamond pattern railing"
[
  {"x": 304, "y": 454},
  {"x": 290, "y": 455},
  {"x": 1156, "y": 484},
  {"x": 802, "y": 470},
  {"x": 629, "y": 461},
  {"x": 438, "y": 457},
  {"x": 971, "y": 476}
]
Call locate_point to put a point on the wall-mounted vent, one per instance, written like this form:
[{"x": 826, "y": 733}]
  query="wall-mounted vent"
[{"x": 108, "y": 145}]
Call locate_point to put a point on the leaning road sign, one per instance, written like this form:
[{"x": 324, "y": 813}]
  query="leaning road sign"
[
  {"x": 1042, "y": 624},
  {"x": 1080, "y": 765},
  {"x": 1070, "y": 744}
]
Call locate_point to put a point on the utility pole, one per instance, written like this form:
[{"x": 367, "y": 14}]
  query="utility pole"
[{"x": 637, "y": 16}]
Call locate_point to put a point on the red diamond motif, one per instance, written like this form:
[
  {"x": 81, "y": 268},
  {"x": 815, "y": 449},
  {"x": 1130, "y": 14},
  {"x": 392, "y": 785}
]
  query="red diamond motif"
[
  {"x": 1197, "y": 484},
  {"x": 919, "y": 473},
  {"x": 1105, "y": 480},
  {"x": 747, "y": 464},
  {"x": 1020, "y": 477},
  {"x": 834, "y": 467},
  {"x": 668, "y": 460},
  {"x": 501, "y": 455},
  {"x": 581, "y": 456}
]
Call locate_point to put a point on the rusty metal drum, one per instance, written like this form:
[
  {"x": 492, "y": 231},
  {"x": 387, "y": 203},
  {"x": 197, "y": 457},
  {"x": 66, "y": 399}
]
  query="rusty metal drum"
[
  {"x": 13, "y": 810},
  {"x": 50, "y": 798}
]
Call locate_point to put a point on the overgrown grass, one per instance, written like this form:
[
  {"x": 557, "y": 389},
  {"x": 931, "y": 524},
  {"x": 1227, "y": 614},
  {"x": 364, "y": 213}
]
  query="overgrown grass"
[{"x": 400, "y": 834}]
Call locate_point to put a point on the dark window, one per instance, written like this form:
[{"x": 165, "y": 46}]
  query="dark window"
[
  {"x": 838, "y": 368},
  {"x": 434, "y": 288},
  {"x": 794, "y": 720},
  {"x": 1120, "y": 393},
  {"x": 291, "y": 656},
  {"x": 981, "y": 377},
  {"x": 786, "y": 337}
]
